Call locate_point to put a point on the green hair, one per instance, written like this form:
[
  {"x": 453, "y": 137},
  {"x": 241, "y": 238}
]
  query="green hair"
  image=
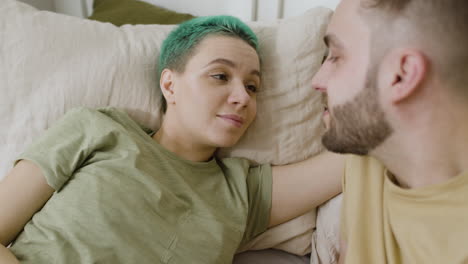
[{"x": 179, "y": 45}]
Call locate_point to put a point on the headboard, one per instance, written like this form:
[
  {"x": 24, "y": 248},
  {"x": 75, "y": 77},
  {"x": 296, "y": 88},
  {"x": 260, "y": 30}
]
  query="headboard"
[{"x": 247, "y": 10}]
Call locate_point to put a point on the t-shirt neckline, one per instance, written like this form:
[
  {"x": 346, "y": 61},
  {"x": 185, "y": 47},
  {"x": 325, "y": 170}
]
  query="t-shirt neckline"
[
  {"x": 426, "y": 191},
  {"x": 211, "y": 164}
]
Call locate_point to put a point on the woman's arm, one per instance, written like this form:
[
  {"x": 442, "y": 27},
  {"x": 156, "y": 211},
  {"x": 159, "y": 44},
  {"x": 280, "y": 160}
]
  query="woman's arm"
[
  {"x": 6, "y": 256},
  {"x": 302, "y": 186},
  {"x": 22, "y": 193}
]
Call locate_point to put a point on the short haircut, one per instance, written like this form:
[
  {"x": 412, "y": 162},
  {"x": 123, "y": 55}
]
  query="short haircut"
[
  {"x": 180, "y": 44},
  {"x": 441, "y": 24}
]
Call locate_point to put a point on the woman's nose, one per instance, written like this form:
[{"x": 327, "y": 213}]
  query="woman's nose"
[{"x": 239, "y": 95}]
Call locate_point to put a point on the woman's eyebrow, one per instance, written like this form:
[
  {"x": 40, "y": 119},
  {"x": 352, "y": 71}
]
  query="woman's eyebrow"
[
  {"x": 231, "y": 64},
  {"x": 222, "y": 61},
  {"x": 256, "y": 72}
]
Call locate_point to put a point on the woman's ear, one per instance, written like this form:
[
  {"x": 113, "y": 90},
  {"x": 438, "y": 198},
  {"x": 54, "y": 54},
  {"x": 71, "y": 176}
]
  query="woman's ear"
[
  {"x": 409, "y": 70},
  {"x": 166, "y": 83}
]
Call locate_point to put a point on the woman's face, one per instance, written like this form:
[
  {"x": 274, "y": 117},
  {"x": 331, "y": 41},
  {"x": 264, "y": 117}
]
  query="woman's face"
[{"x": 214, "y": 99}]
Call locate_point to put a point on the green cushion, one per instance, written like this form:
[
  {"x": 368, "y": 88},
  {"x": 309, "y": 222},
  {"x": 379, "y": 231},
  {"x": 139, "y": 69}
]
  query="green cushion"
[{"x": 121, "y": 12}]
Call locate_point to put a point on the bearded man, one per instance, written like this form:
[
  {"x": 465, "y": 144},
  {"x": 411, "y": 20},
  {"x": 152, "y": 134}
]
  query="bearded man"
[{"x": 396, "y": 78}]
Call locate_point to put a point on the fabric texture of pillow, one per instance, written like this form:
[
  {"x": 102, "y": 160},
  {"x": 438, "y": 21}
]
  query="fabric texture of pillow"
[
  {"x": 52, "y": 63},
  {"x": 326, "y": 237},
  {"x": 134, "y": 12}
]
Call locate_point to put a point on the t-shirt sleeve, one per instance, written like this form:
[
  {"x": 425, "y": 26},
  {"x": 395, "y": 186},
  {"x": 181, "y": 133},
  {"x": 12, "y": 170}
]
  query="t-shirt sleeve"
[
  {"x": 64, "y": 147},
  {"x": 259, "y": 187}
]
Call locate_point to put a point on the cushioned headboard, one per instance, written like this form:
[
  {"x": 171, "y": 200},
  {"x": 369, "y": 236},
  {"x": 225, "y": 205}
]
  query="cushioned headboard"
[{"x": 248, "y": 10}]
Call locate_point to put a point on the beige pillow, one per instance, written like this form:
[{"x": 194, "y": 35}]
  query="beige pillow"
[{"x": 51, "y": 63}]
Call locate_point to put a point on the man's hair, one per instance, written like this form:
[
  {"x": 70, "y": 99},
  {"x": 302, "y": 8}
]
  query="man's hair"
[
  {"x": 442, "y": 25},
  {"x": 181, "y": 43}
]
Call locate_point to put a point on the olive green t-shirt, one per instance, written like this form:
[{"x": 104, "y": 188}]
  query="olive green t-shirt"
[
  {"x": 123, "y": 198},
  {"x": 384, "y": 223}
]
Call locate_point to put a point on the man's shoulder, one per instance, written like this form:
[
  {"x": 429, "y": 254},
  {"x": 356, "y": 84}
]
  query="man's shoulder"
[
  {"x": 352, "y": 159},
  {"x": 355, "y": 162},
  {"x": 363, "y": 170}
]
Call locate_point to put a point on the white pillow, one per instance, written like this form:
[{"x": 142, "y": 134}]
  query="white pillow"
[
  {"x": 326, "y": 238},
  {"x": 51, "y": 63}
]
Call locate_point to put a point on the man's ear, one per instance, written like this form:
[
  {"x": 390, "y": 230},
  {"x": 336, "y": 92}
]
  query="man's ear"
[
  {"x": 409, "y": 70},
  {"x": 166, "y": 83}
]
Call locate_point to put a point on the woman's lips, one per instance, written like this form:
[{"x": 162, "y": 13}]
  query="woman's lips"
[{"x": 235, "y": 120}]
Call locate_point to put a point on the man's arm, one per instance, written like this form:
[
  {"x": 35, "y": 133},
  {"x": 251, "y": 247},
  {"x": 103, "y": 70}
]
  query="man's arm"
[
  {"x": 302, "y": 186},
  {"x": 22, "y": 193}
]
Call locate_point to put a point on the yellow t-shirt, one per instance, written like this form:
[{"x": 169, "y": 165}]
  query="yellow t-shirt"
[{"x": 383, "y": 223}]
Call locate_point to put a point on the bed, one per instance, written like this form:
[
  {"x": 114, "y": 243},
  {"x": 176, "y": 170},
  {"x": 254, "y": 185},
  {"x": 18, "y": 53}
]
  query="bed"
[{"x": 53, "y": 62}]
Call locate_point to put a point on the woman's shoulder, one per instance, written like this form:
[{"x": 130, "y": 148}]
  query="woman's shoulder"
[
  {"x": 101, "y": 118},
  {"x": 99, "y": 113},
  {"x": 90, "y": 112}
]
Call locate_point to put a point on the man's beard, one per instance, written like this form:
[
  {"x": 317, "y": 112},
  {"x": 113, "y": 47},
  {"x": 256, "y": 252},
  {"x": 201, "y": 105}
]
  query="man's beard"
[{"x": 360, "y": 125}]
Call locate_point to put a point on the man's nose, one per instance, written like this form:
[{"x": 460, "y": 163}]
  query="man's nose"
[{"x": 319, "y": 81}]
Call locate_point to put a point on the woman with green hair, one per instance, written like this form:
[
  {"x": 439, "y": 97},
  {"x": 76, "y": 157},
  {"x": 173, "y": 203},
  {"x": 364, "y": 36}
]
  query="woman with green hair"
[{"x": 99, "y": 188}]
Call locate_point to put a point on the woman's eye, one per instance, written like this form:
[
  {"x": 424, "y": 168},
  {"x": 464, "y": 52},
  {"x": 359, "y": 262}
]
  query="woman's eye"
[
  {"x": 222, "y": 77},
  {"x": 252, "y": 88}
]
